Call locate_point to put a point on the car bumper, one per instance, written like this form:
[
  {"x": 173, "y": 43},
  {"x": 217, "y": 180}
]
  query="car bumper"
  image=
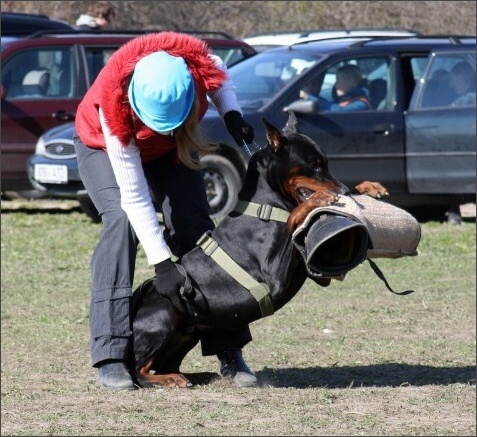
[{"x": 57, "y": 177}]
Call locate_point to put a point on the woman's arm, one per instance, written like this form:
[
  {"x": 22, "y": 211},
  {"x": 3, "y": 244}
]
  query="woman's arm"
[
  {"x": 224, "y": 98},
  {"x": 135, "y": 196}
]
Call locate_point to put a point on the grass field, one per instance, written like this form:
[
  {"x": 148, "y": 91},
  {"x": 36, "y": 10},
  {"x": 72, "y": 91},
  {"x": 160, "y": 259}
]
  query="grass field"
[{"x": 349, "y": 359}]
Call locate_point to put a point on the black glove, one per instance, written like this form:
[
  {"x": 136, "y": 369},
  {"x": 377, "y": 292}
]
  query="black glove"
[
  {"x": 168, "y": 278},
  {"x": 239, "y": 129}
]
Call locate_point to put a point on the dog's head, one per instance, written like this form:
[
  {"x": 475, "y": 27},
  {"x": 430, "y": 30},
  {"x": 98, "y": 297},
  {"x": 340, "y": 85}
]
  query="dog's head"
[{"x": 298, "y": 167}]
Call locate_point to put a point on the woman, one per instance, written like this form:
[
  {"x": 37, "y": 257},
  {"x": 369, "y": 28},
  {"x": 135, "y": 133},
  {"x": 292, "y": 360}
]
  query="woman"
[{"x": 137, "y": 132}]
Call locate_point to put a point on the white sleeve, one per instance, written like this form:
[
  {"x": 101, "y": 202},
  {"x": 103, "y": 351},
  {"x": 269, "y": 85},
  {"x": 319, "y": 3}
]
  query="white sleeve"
[
  {"x": 135, "y": 196},
  {"x": 224, "y": 98}
]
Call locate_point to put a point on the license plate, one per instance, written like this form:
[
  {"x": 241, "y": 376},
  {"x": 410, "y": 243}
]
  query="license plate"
[{"x": 51, "y": 174}]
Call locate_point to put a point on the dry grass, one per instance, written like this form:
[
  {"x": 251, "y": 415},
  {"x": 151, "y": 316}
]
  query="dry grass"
[{"x": 350, "y": 359}]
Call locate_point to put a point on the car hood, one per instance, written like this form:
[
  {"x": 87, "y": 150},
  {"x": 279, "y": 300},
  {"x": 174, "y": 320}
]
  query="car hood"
[{"x": 64, "y": 131}]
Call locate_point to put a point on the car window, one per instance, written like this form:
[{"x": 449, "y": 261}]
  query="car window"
[
  {"x": 375, "y": 86},
  {"x": 417, "y": 65},
  {"x": 230, "y": 55},
  {"x": 445, "y": 86},
  {"x": 412, "y": 69},
  {"x": 96, "y": 58},
  {"x": 260, "y": 78},
  {"x": 39, "y": 73}
]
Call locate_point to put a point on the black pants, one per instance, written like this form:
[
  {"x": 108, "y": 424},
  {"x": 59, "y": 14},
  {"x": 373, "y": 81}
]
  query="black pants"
[{"x": 181, "y": 193}]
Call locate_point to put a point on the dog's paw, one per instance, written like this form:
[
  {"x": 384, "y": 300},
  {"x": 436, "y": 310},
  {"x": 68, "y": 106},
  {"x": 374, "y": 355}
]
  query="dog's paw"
[
  {"x": 373, "y": 189},
  {"x": 171, "y": 380}
]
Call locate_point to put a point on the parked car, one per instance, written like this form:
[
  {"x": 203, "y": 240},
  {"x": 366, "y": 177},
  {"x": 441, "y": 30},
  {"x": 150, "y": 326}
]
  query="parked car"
[
  {"x": 425, "y": 155},
  {"x": 45, "y": 76},
  {"x": 276, "y": 39},
  {"x": 21, "y": 24}
]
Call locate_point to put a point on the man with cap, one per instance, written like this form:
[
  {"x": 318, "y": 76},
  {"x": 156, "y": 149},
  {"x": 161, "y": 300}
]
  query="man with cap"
[{"x": 137, "y": 132}]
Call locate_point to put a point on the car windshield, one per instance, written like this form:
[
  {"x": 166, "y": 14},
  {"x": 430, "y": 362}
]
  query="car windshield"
[{"x": 262, "y": 76}]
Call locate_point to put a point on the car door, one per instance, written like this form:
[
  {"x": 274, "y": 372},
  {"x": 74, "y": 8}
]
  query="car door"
[
  {"x": 38, "y": 92},
  {"x": 440, "y": 133},
  {"x": 361, "y": 144}
]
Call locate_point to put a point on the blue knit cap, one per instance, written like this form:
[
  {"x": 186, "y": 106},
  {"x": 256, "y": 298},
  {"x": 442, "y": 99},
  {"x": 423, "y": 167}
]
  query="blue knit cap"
[{"x": 161, "y": 91}]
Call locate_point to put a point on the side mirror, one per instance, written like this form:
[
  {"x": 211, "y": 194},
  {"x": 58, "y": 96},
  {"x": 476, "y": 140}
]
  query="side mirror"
[{"x": 302, "y": 107}]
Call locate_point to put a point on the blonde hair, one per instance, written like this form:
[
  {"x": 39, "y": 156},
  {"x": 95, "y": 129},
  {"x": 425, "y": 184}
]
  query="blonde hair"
[{"x": 190, "y": 141}]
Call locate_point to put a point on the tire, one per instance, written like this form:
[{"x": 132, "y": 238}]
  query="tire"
[
  {"x": 222, "y": 184},
  {"x": 87, "y": 206}
]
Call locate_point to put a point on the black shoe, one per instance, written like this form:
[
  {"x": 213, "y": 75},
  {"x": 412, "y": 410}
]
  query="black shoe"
[
  {"x": 114, "y": 375},
  {"x": 233, "y": 366}
]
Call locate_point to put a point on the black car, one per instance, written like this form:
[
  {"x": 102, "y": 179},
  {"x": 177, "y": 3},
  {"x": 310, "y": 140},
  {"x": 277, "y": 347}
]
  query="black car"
[
  {"x": 425, "y": 155},
  {"x": 21, "y": 24}
]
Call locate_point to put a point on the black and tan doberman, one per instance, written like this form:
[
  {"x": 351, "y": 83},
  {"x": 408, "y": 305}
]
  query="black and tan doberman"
[{"x": 247, "y": 268}]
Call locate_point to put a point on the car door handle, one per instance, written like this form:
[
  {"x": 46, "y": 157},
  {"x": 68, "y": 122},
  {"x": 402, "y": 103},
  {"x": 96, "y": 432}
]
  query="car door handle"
[
  {"x": 382, "y": 129},
  {"x": 63, "y": 116}
]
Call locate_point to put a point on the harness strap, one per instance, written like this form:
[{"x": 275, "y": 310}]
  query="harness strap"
[
  {"x": 263, "y": 212},
  {"x": 259, "y": 291}
]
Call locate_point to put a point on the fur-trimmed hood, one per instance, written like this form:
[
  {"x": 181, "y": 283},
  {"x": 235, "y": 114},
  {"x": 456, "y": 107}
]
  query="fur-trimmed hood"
[{"x": 109, "y": 91}]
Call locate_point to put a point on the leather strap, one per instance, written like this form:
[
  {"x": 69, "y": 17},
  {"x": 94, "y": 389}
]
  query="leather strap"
[
  {"x": 259, "y": 291},
  {"x": 380, "y": 275}
]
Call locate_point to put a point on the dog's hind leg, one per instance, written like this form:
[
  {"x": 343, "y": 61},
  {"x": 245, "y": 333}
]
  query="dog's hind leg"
[
  {"x": 155, "y": 322},
  {"x": 170, "y": 360},
  {"x": 171, "y": 380}
]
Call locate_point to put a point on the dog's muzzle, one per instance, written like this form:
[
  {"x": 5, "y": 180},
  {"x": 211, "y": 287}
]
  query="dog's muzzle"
[{"x": 331, "y": 245}]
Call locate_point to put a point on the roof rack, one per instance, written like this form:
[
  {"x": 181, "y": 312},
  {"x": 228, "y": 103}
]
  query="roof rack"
[
  {"x": 304, "y": 33},
  {"x": 347, "y": 37},
  {"x": 201, "y": 33},
  {"x": 454, "y": 39}
]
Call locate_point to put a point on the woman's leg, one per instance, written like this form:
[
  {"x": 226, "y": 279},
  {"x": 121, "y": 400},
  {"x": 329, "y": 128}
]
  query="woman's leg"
[
  {"x": 181, "y": 193},
  {"x": 112, "y": 262}
]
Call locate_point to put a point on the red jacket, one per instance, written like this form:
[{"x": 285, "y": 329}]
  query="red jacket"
[{"x": 110, "y": 92}]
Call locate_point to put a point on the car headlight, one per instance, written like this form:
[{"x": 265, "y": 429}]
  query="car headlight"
[{"x": 40, "y": 146}]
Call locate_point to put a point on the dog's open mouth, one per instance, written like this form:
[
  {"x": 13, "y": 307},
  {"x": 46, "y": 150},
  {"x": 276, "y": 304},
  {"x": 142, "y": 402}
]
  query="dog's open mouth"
[
  {"x": 304, "y": 189},
  {"x": 302, "y": 194}
]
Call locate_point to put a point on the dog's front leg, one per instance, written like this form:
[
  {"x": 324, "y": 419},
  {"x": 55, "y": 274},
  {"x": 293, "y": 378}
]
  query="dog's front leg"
[
  {"x": 373, "y": 189},
  {"x": 300, "y": 213}
]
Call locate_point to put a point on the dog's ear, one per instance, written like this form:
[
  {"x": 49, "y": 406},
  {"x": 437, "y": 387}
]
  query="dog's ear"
[
  {"x": 292, "y": 123},
  {"x": 275, "y": 139}
]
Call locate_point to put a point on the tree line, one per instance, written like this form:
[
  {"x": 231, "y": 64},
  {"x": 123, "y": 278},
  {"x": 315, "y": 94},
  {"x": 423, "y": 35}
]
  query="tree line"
[{"x": 246, "y": 18}]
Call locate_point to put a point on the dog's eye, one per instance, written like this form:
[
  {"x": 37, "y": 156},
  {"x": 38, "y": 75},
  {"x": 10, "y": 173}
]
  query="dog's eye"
[{"x": 318, "y": 167}]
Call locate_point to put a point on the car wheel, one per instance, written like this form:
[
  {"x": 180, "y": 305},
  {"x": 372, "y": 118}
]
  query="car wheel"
[
  {"x": 222, "y": 184},
  {"x": 87, "y": 206}
]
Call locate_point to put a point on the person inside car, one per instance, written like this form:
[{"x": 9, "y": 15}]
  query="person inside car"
[
  {"x": 462, "y": 85},
  {"x": 137, "y": 133},
  {"x": 349, "y": 92}
]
